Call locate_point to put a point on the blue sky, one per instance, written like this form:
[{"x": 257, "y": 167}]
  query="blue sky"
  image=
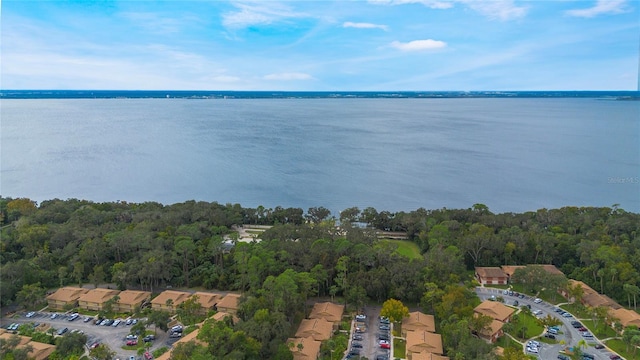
[{"x": 371, "y": 45}]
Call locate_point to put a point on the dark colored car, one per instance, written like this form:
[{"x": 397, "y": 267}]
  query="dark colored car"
[
  {"x": 62, "y": 331},
  {"x": 550, "y": 336},
  {"x": 588, "y": 356},
  {"x": 357, "y": 337},
  {"x": 356, "y": 345},
  {"x": 599, "y": 346},
  {"x": 149, "y": 338}
]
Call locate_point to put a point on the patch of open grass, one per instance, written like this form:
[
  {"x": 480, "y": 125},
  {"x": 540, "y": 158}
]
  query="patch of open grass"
[
  {"x": 621, "y": 348},
  {"x": 577, "y": 310},
  {"x": 406, "y": 248},
  {"x": 530, "y": 325},
  {"x": 602, "y": 332},
  {"x": 399, "y": 348},
  {"x": 506, "y": 341}
]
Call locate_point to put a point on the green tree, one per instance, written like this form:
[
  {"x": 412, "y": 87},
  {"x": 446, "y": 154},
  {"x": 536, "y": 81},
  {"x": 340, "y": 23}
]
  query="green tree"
[
  {"x": 71, "y": 344},
  {"x": 160, "y": 319},
  {"x": 102, "y": 352},
  {"x": 30, "y": 295},
  {"x": 188, "y": 310},
  {"x": 394, "y": 310}
]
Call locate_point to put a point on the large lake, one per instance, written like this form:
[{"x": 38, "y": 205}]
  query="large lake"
[{"x": 513, "y": 155}]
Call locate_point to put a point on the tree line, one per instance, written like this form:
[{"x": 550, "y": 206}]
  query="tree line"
[{"x": 150, "y": 246}]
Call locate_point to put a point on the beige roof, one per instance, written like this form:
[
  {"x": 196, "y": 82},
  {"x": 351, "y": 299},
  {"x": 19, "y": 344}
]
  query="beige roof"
[
  {"x": 133, "y": 297},
  {"x": 189, "y": 337},
  {"x": 419, "y": 321},
  {"x": 319, "y": 329},
  {"x": 425, "y": 355},
  {"x": 494, "y": 272},
  {"x": 328, "y": 311},
  {"x": 551, "y": 269},
  {"x": 40, "y": 350},
  {"x": 495, "y": 310},
  {"x": 229, "y": 301},
  {"x": 67, "y": 294},
  {"x": 207, "y": 300},
  {"x": 178, "y": 297},
  {"x": 626, "y": 317},
  {"x": 98, "y": 295},
  {"x": 310, "y": 348},
  {"x": 494, "y": 327},
  {"x": 592, "y": 298},
  {"x": 219, "y": 316},
  {"x": 424, "y": 341},
  {"x": 7, "y": 335}
]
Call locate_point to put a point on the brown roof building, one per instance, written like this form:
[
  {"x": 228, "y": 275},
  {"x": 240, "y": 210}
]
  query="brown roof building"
[
  {"x": 491, "y": 276},
  {"x": 493, "y": 332},
  {"x": 590, "y": 297},
  {"x": 425, "y": 355},
  {"x": 95, "y": 299},
  {"x": 192, "y": 336},
  {"x": 509, "y": 270},
  {"x": 174, "y": 298},
  {"x": 130, "y": 299},
  {"x": 229, "y": 303},
  {"x": 207, "y": 301},
  {"x": 66, "y": 297},
  {"x": 626, "y": 317},
  {"x": 496, "y": 310},
  {"x": 310, "y": 349},
  {"x": 418, "y": 321},
  {"x": 423, "y": 341},
  {"x": 40, "y": 350},
  {"x": 318, "y": 329},
  {"x": 328, "y": 311}
]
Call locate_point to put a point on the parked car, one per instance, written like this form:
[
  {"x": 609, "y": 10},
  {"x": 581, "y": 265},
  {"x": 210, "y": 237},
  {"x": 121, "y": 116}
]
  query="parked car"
[
  {"x": 54, "y": 315},
  {"x": 177, "y": 328},
  {"x": 62, "y": 331},
  {"x": 149, "y": 338},
  {"x": 361, "y": 317},
  {"x": 599, "y": 346},
  {"x": 30, "y": 314},
  {"x": 73, "y": 316},
  {"x": 131, "y": 337},
  {"x": 550, "y": 336},
  {"x": 147, "y": 356},
  {"x": 615, "y": 357},
  {"x": 175, "y": 335},
  {"x": 128, "y": 322},
  {"x": 132, "y": 342},
  {"x": 385, "y": 327},
  {"x": 116, "y": 323},
  {"x": 588, "y": 356},
  {"x": 537, "y": 301},
  {"x": 87, "y": 319},
  {"x": 357, "y": 337},
  {"x": 563, "y": 357},
  {"x": 385, "y": 344}
]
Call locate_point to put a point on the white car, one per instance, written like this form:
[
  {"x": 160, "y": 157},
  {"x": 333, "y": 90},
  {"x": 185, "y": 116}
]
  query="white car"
[
  {"x": 533, "y": 343},
  {"x": 537, "y": 300},
  {"x": 361, "y": 317},
  {"x": 30, "y": 314},
  {"x": 533, "y": 349}
]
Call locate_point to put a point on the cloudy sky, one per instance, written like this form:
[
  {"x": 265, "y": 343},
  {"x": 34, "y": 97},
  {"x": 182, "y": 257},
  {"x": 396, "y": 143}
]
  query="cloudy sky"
[{"x": 321, "y": 45}]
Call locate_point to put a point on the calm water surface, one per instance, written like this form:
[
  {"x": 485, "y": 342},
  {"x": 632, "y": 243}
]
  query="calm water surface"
[{"x": 392, "y": 154}]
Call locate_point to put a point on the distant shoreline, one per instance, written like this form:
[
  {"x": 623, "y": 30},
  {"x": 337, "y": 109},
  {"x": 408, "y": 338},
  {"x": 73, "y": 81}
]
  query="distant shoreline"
[{"x": 204, "y": 94}]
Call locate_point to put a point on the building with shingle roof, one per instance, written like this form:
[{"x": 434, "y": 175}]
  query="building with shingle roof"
[
  {"x": 95, "y": 299},
  {"x": 40, "y": 351},
  {"x": 229, "y": 303},
  {"x": 495, "y": 310},
  {"x": 491, "y": 276},
  {"x": 423, "y": 341},
  {"x": 130, "y": 299},
  {"x": 418, "y": 321},
  {"x": 511, "y": 269},
  {"x": 328, "y": 311},
  {"x": 425, "y": 355},
  {"x": 208, "y": 301},
  {"x": 318, "y": 329},
  {"x": 66, "y": 297},
  {"x": 310, "y": 349},
  {"x": 625, "y": 317},
  {"x": 192, "y": 336},
  {"x": 169, "y": 300}
]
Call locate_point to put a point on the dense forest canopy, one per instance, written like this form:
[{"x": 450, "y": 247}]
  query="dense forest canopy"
[{"x": 193, "y": 244}]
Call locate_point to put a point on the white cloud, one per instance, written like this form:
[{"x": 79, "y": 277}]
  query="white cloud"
[
  {"x": 258, "y": 13},
  {"x": 601, "y": 7},
  {"x": 497, "y": 9},
  {"x": 493, "y": 9},
  {"x": 288, "y": 76},
  {"x": 350, "y": 24},
  {"x": 433, "y": 4},
  {"x": 419, "y": 45}
]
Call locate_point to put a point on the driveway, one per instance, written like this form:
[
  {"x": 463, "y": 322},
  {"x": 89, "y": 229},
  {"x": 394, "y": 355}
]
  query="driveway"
[
  {"x": 114, "y": 337},
  {"x": 568, "y": 333},
  {"x": 370, "y": 342}
]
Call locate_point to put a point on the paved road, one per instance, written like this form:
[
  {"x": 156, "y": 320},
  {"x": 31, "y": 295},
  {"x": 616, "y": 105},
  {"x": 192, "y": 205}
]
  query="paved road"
[
  {"x": 113, "y": 337},
  {"x": 569, "y": 334}
]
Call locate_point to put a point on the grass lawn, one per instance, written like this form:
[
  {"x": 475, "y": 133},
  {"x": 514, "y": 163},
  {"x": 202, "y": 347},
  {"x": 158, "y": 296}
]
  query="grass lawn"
[
  {"x": 577, "y": 310},
  {"x": 619, "y": 347},
  {"x": 533, "y": 328},
  {"x": 601, "y": 332},
  {"x": 406, "y": 248},
  {"x": 399, "y": 348},
  {"x": 505, "y": 342}
]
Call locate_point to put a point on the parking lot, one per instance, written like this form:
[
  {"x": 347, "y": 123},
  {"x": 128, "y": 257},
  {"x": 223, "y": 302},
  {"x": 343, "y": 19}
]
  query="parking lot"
[
  {"x": 114, "y": 337},
  {"x": 367, "y": 333},
  {"x": 567, "y": 332}
]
